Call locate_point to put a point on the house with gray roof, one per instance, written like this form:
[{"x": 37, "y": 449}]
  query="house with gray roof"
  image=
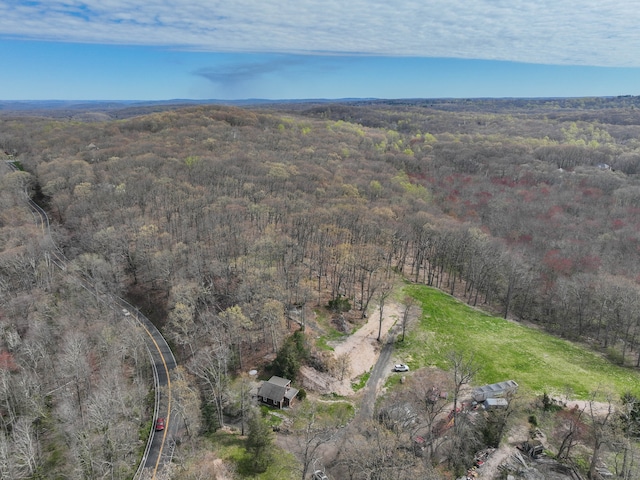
[{"x": 277, "y": 391}]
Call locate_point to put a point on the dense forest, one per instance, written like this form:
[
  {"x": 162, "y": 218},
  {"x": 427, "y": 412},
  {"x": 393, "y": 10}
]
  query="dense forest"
[{"x": 230, "y": 226}]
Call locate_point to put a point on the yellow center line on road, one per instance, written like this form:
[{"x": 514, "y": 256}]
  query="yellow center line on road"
[
  {"x": 164, "y": 436},
  {"x": 44, "y": 227}
]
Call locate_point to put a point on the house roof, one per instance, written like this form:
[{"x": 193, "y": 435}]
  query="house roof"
[
  {"x": 276, "y": 389},
  {"x": 291, "y": 393},
  {"x": 281, "y": 382}
]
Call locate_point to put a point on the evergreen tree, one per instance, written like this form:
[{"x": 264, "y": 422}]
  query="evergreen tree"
[
  {"x": 291, "y": 355},
  {"x": 259, "y": 442}
]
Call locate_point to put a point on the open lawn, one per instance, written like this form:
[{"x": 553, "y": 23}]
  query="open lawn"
[
  {"x": 231, "y": 447},
  {"x": 506, "y": 350}
]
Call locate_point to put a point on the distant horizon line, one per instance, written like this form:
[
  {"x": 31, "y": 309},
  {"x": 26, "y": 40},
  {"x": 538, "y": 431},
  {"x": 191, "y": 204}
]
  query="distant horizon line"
[{"x": 309, "y": 99}]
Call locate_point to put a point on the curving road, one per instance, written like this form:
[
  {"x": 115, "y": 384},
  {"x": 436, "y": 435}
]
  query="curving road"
[{"x": 161, "y": 444}]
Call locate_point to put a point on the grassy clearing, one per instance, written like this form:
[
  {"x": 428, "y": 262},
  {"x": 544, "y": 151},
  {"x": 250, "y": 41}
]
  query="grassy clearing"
[
  {"x": 505, "y": 350},
  {"x": 273, "y": 417},
  {"x": 332, "y": 334},
  {"x": 327, "y": 410},
  {"x": 333, "y": 396},
  {"x": 336, "y": 410},
  {"x": 322, "y": 342},
  {"x": 393, "y": 381},
  {"x": 361, "y": 381},
  {"x": 230, "y": 447}
]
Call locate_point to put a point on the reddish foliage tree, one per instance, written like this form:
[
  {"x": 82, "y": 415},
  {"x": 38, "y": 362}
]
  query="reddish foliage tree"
[
  {"x": 7, "y": 362},
  {"x": 557, "y": 264}
]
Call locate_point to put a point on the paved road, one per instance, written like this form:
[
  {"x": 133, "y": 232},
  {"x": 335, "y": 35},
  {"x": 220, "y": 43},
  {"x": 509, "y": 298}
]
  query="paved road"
[{"x": 160, "y": 446}]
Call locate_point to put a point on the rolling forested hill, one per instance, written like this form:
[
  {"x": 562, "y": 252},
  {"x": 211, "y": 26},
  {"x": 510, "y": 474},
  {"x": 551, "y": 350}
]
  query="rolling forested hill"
[
  {"x": 536, "y": 212},
  {"x": 219, "y": 221}
]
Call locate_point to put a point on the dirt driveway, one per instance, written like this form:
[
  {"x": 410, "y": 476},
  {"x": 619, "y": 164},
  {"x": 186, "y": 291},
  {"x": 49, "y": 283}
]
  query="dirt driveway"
[{"x": 362, "y": 346}]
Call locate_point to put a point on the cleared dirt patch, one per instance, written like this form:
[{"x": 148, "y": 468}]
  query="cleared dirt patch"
[{"x": 362, "y": 349}]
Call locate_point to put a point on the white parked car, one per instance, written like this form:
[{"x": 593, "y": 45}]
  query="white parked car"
[
  {"x": 319, "y": 475},
  {"x": 400, "y": 367}
]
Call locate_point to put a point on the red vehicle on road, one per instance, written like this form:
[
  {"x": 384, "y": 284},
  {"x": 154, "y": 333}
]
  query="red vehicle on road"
[{"x": 159, "y": 424}]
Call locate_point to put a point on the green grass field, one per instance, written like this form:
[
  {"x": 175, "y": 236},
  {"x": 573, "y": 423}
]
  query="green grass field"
[
  {"x": 232, "y": 448},
  {"x": 505, "y": 350}
]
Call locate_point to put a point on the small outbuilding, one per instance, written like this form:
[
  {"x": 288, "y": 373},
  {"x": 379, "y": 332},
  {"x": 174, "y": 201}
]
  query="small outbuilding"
[
  {"x": 495, "y": 390},
  {"x": 495, "y": 403},
  {"x": 277, "y": 391}
]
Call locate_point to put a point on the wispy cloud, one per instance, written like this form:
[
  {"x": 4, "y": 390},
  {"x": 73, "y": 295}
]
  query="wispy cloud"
[
  {"x": 234, "y": 73},
  {"x": 234, "y": 77},
  {"x": 590, "y": 32}
]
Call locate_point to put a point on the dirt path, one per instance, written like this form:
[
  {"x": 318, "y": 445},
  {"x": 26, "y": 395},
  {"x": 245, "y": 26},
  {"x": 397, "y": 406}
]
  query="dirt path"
[
  {"x": 362, "y": 347},
  {"x": 366, "y": 354}
]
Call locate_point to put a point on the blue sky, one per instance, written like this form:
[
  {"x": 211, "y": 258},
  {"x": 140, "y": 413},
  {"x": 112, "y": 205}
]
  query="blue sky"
[{"x": 211, "y": 49}]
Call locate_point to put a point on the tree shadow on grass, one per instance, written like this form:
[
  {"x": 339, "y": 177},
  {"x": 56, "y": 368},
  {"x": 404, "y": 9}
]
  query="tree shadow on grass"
[{"x": 233, "y": 447}]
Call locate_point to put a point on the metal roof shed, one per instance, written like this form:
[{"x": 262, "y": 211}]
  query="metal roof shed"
[
  {"x": 492, "y": 403},
  {"x": 494, "y": 390}
]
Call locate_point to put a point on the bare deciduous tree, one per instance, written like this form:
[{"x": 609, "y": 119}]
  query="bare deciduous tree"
[
  {"x": 311, "y": 431},
  {"x": 25, "y": 447},
  {"x": 383, "y": 294},
  {"x": 211, "y": 366},
  {"x": 409, "y": 306},
  {"x": 463, "y": 369},
  {"x": 601, "y": 423}
]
